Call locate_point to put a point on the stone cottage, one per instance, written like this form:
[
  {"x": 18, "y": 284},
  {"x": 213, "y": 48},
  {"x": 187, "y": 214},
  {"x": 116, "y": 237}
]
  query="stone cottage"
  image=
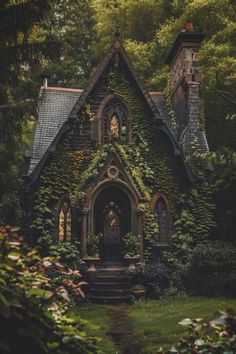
[{"x": 112, "y": 159}]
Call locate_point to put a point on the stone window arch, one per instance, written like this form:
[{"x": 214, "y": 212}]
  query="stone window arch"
[
  {"x": 115, "y": 123},
  {"x": 64, "y": 221},
  {"x": 163, "y": 219}
]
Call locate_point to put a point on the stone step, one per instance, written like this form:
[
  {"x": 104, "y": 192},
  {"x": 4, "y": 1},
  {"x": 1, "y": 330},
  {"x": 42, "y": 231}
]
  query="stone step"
[
  {"x": 109, "y": 292},
  {"x": 109, "y": 299},
  {"x": 111, "y": 264},
  {"x": 110, "y": 279},
  {"x": 110, "y": 285},
  {"x": 110, "y": 271}
]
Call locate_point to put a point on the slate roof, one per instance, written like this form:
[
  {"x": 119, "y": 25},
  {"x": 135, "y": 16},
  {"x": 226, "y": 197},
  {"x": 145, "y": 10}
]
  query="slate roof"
[
  {"x": 58, "y": 105},
  {"x": 54, "y": 107}
]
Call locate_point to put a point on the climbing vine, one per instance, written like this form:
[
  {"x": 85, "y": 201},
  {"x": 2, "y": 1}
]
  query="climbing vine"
[
  {"x": 57, "y": 180},
  {"x": 148, "y": 160}
]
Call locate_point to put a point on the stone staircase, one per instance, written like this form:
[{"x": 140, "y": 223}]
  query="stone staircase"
[{"x": 108, "y": 284}]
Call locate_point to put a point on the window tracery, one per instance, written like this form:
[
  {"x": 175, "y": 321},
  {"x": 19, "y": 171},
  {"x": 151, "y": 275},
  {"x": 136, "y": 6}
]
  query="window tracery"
[{"x": 64, "y": 222}]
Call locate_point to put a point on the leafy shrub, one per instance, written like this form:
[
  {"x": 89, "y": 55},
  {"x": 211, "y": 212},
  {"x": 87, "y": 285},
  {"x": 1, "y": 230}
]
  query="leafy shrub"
[
  {"x": 212, "y": 269},
  {"x": 32, "y": 315},
  {"x": 68, "y": 253},
  {"x": 93, "y": 245},
  {"x": 216, "y": 337},
  {"x": 155, "y": 277},
  {"x": 132, "y": 244}
]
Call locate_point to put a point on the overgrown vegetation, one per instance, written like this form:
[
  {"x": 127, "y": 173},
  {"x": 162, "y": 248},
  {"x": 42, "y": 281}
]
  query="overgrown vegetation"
[
  {"x": 156, "y": 323},
  {"x": 33, "y": 308},
  {"x": 78, "y": 32}
]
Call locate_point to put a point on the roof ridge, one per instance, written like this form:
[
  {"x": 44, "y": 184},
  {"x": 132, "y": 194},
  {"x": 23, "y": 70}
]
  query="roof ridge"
[{"x": 56, "y": 88}]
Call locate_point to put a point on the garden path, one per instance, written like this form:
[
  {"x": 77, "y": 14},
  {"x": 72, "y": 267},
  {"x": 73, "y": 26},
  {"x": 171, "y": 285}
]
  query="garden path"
[{"x": 122, "y": 331}]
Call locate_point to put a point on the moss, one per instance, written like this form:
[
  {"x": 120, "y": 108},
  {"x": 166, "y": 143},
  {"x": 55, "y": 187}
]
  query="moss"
[{"x": 150, "y": 162}]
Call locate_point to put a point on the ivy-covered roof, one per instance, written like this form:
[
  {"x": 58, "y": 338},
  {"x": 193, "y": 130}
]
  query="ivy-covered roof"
[
  {"x": 54, "y": 107},
  {"x": 57, "y": 107}
]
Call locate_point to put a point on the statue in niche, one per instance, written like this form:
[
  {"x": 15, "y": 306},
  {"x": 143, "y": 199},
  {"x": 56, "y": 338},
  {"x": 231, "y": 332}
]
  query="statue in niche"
[
  {"x": 114, "y": 127},
  {"x": 111, "y": 222}
]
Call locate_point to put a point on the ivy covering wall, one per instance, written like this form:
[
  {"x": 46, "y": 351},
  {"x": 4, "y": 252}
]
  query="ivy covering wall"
[{"x": 150, "y": 162}]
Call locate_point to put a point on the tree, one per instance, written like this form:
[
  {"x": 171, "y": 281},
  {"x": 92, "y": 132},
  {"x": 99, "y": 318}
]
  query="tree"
[
  {"x": 21, "y": 50},
  {"x": 148, "y": 30},
  {"x": 71, "y": 25}
]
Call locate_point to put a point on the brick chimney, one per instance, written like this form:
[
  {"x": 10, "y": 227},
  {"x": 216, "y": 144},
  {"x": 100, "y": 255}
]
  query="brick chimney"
[{"x": 185, "y": 77}]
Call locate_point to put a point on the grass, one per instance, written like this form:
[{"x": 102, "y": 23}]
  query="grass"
[
  {"x": 97, "y": 314},
  {"x": 156, "y": 322}
]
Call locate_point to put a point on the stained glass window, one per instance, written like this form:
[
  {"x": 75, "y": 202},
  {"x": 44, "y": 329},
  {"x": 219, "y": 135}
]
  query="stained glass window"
[
  {"x": 163, "y": 221},
  {"x": 64, "y": 224},
  {"x": 115, "y": 124},
  {"x": 114, "y": 127}
]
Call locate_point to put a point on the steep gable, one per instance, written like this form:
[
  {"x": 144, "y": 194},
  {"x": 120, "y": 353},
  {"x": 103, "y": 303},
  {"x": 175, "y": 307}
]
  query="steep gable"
[
  {"x": 59, "y": 107},
  {"x": 115, "y": 53}
]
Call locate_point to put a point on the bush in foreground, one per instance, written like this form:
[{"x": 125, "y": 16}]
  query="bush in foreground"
[
  {"x": 216, "y": 337},
  {"x": 32, "y": 315}
]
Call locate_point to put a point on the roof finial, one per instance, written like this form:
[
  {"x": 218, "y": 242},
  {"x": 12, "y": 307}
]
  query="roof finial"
[{"x": 117, "y": 32}]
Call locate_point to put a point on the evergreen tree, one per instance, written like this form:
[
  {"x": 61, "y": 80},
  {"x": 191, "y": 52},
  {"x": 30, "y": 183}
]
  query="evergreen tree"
[
  {"x": 72, "y": 24},
  {"x": 21, "y": 49}
]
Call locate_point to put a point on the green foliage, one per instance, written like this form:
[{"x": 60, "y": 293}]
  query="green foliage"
[
  {"x": 58, "y": 179},
  {"x": 32, "y": 316},
  {"x": 68, "y": 253},
  {"x": 223, "y": 180},
  {"x": 148, "y": 43},
  {"x": 212, "y": 269},
  {"x": 21, "y": 52},
  {"x": 155, "y": 277},
  {"x": 89, "y": 174},
  {"x": 72, "y": 26},
  {"x": 93, "y": 245},
  {"x": 215, "y": 337},
  {"x": 131, "y": 244},
  {"x": 144, "y": 166}
]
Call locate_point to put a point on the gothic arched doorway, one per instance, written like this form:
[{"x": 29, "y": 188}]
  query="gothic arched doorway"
[{"x": 112, "y": 218}]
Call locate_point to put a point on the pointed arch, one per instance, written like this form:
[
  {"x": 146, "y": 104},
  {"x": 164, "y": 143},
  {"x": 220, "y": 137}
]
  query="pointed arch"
[
  {"x": 114, "y": 121},
  {"x": 161, "y": 209},
  {"x": 64, "y": 229}
]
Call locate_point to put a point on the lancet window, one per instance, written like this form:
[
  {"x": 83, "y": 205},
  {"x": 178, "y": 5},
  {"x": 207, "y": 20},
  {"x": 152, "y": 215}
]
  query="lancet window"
[
  {"x": 64, "y": 222},
  {"x": 162, "y": 217}
]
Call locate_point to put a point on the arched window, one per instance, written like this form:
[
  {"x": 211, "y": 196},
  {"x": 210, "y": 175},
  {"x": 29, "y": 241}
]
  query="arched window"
[
  {"x": 115, "y": 123},
  {"x": 64, "y": 222},
  {"x": 162, "y": 217}
]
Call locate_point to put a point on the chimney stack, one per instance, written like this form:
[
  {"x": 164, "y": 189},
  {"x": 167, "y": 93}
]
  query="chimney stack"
[{"x": 185, "y": 77}]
